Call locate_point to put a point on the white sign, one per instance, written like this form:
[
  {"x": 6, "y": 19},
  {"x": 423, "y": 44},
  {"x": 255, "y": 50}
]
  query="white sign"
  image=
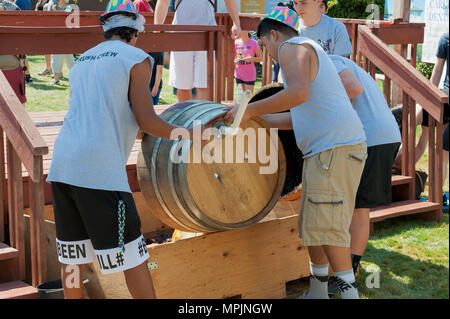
[
  {"x": 436, "y": 24},
  {"x": 269, "y": 4}
]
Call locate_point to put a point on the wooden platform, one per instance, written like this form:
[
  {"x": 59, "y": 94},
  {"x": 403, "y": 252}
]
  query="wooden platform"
[{"x": 49, "y": 124}]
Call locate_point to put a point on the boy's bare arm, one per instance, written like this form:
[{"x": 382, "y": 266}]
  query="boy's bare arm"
[
  {"x": 161, "y": 9},
  {"x": 437, "y": 72},
  {"x": 296, "y": 65},
  {"x": 295, "y": 62},
  {"x": 234, "y": 13},
  {"x": 142, "y": 104},
  {"x": 351, "y": 83},
  {"x": 281, "y": 121}
]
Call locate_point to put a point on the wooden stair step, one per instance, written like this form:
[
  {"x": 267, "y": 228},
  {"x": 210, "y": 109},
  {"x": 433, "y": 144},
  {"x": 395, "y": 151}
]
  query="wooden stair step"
[
  {"x": 400, "y": 180},
  {"x": 7, "y": 252},
  {"x": 18, "y": 290},
  {"x": 402, "y": 208}
]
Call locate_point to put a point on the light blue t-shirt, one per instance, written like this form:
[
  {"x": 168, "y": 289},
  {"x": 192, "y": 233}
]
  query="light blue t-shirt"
[
  {"x": 379, "y": 123},
  {"x": 327, "y": 119},
  {"x": 331, "y": 34},
  {"x": 100, "y": 128}
]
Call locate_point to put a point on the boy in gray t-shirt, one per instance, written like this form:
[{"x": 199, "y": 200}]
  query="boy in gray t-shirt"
[
  {"x": 330, "y": 33},
  {"x": 383, "y": 141}
]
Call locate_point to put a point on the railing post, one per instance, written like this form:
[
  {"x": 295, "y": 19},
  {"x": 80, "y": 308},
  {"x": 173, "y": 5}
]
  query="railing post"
[
  {"x": 439, "y": 166},
  {"x": 230, "y": 60},
  {"x": 405, "y": 135},
  {"x": 15, "y": 203},
  {"x": 219, "y": 70},
  {"x": 387, "y": 90},
  {"x": 210, "y": 68},
  {"x": 412, "y": 146},
  {"x": 2, "y": 187},
  {"x": 37, "y": 228},
  {"x": 431, "y": 160}
]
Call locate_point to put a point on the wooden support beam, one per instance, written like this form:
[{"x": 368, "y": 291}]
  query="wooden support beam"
[
  {"x": 2, "y": 187},
  {"x": 402, "y": 10}
]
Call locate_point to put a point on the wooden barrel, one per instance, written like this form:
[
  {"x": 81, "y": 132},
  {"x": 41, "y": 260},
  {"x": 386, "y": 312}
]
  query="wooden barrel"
[
  {"x": 293, "y": 155},
  {"x": 204, "y": 196}
]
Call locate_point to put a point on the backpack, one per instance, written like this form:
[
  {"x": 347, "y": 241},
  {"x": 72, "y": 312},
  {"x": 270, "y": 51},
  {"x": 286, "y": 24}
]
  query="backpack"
[{"x": 212, "y": 2}]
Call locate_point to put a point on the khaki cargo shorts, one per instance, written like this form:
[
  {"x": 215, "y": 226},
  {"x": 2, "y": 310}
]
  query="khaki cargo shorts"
[{"x": 329, "y": 185}]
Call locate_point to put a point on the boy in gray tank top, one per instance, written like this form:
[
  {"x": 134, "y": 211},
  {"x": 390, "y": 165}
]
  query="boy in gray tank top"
[
  {"x": 95, "y": 213},
  {"x": 330, "y": 134}
]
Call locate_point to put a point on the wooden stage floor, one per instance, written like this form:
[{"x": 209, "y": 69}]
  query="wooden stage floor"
[{"x": 49, "y": 125}]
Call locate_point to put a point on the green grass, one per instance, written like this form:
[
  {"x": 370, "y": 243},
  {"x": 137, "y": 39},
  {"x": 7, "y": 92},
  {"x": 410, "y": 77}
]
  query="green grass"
[
  {"x": 43, "y": 96},
  {"x": 412, "y": 257}
]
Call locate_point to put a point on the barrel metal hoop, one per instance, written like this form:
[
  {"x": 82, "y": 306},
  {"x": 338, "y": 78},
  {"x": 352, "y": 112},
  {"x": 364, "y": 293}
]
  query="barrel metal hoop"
[
  {"x": 223, "y": 226},
  {"x": 191, "y": 216},
  {"x": 153, "y": 167}
]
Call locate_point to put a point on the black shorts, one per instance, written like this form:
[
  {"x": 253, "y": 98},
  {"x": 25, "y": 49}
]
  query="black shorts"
[
  {"x": 238, "y": 81},
  {"x": 87, "y": 227},
  {"x": 446, "y": 116},
  {"x": 375, "y": 186}
]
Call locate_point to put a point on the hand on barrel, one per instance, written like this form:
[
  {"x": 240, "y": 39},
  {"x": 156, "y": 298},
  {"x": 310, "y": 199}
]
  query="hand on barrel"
[
  {"x": 232, "y": 111},
  {"x": 196, "y": 132}
]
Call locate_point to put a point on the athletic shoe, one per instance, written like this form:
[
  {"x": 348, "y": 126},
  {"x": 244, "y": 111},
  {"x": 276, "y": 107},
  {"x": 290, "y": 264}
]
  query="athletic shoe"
[{"x": 45, "y": 72}]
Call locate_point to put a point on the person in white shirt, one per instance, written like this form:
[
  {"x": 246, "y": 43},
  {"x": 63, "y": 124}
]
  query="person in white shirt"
[{"x": 188, "y": 69}]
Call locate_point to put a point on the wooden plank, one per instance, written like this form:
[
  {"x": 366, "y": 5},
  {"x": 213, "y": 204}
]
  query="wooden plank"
[
  {"x": 17, "y": 290},
  {"x": 15, "y": 201},
  {"x": 439, "y": 165},
  {"x": 431, "y": 160},
  {"x": 402, "y": 73},
  {"x": 7, "y": 252},
  {"x": 402, "y": 208},
  {"x": 405, "y": 135},
  {"x": 19, "y": 129},
  {"x": 37, "y": 231},
  {"x": 402, "y": 9},
  {"x": 255, "y": 262},
  {"x": 210, "y": 68},
  {"x": 400, "y": 180},
  {"x": 354, "y": 39},
  {"x": 3, "y": 214},
  {"x": 387, "y": 90},
  {"x": 412, "y": 146},
  {"x": 11, "y": 201},
  {"x": 13, "y": 42},
  {"x": 372, "y": 70}
]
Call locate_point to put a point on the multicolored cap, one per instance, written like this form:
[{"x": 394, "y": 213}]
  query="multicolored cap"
[
  {"x": 286, "y": 16},
  {"x": 119, "y": 6}
]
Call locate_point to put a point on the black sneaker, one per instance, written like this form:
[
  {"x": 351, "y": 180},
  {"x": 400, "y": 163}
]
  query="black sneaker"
[
  {"x": 333, "y": 287},
  {"x": 28, "y": 79}
]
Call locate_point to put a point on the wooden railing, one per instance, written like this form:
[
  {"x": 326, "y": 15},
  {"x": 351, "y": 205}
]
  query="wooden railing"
[
  {"x": 374, "y": 53},
  {"x": 24, "y": 145},
  {"x": 398, "y": 33}
]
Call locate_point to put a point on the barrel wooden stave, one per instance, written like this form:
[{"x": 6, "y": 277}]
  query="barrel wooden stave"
[{"x": 179, "y": 209}]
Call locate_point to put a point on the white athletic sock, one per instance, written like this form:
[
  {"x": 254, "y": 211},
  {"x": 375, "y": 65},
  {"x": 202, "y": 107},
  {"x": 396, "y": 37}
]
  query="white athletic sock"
[
  {"x": 318, "y": 281},
  {"x": 346, "y": 283}
]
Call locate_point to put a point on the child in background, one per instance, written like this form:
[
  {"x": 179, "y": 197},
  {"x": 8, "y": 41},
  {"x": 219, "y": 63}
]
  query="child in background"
[
  {"x": 247, "y": 52},
  {"x": 330, "y": 33}
]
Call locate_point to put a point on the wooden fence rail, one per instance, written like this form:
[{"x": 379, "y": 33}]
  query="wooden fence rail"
[
  {"x": 24, "y": 145},
  {"x": 416, "y": 89}
]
